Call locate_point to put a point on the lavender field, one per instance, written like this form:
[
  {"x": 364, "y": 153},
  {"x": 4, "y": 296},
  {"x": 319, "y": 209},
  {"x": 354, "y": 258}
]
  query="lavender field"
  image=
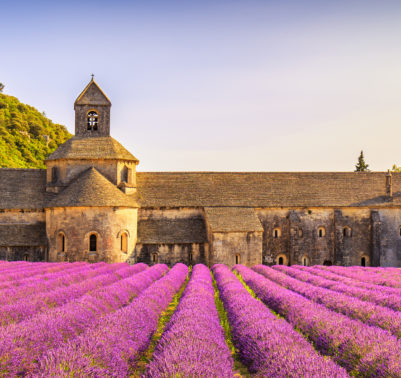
[{"x": 120, "y": 320}]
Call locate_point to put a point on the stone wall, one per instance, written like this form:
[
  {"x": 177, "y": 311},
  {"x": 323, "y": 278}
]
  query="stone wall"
[
  {"x": 68, "y": 170},
  {"x": 389, "y": 224},
  {"x": 295, "y": 236},
  {"x": 171, "y": 254},
  {"x": 78, "y": 223},
  {"x": 230, "y": 248},
  {"x": 20, "y": 253}
]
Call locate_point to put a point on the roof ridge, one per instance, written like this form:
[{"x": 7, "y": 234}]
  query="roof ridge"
[{"x": 86, "y": 89}]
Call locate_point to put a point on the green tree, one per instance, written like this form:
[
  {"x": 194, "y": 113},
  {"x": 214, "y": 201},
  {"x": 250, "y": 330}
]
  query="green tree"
[
  {"x": 361, "y": 166},
  {"x": 1, "y": 87},
  {"x": 395, "y": 168}
]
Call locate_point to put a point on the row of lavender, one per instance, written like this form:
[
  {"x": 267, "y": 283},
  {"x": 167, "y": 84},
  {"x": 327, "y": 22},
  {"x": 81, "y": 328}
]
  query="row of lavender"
[{"x": 104, "y": 331}]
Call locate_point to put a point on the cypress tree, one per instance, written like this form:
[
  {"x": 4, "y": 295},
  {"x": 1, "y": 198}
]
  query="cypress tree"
[{"x": 361, "y": 166}]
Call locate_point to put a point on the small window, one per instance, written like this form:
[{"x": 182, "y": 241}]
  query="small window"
[
  {"x": 399, "y": 231},
  {"x": 276, "y": 232},
  {"x": 321, "y": 232},
  {"x": 365, "y": 260},
  {"x": 281, "y": 259},
  {"x": 92, "y": 243},
  {"x": 61, "y": 242},
  {"x": 347, "y": 232},
  {"x": 124, "y": 242},
  {"x": 26, "y": 257},
  {"x": 237, "y": 258},
  {"x": 54, "y": 175},
  {"x": 300, "y": 233},
  {"x": 327, "y": 263},
  {"x": 92, "y": 120},
  {"x": 305, "y": 261},
  {"x": 124, "y": 174},
  {"x": 190, "y": 257},
  {"x": 154, "y": 258}
]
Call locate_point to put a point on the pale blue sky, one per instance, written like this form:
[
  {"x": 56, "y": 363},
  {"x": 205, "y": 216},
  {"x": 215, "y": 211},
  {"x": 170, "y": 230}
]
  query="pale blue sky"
[{"x": 219, "y": 85}]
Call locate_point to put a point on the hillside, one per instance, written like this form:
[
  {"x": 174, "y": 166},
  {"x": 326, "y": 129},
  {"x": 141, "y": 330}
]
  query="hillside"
[{"x": 27, "y": 137}]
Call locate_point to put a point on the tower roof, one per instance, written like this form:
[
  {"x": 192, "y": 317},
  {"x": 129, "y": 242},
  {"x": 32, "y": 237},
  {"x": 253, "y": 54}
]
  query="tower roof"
[
  {"x": 79, "y": 147},
  {"x": 92, "y": 189},
  {"x": 92, "y": 95}
]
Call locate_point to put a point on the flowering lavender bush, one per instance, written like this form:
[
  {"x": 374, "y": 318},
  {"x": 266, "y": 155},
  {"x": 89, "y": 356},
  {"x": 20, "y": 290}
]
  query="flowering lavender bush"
[
  {"x": 22, "y": 344},
  {"x": 112, "y": 348},
  {"x": 367, "y": 312},
  {"x": 82, "y": 282},
  {"x": 193, "y": 342},
  {"x": 364, "y": 276},
  {"x": 377, "y": 296},
  {"x": 268, "y": 345},
  {"x": 390, "y": 292},
  {"x": 363, "y": 350}
]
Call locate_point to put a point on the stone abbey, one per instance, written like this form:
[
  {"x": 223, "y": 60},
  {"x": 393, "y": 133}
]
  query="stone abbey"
[{"x": 90, "y": 204}]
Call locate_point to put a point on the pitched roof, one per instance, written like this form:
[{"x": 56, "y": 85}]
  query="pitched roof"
[
  {"x": 232, "y": 219},
  {"x": 13, "y": 235},
  {"x": 23, "y": 188},
  {"x": 92, "y": 148},
  {"x": 266, "y": 189},
  {"x": 154, "y": 231},
  {"x": 92, "y": 189},
  {"x": 92, "y": 95}
]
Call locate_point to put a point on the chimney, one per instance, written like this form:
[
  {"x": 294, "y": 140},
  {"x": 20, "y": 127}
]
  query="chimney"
[{"x": 389, "y": 184}]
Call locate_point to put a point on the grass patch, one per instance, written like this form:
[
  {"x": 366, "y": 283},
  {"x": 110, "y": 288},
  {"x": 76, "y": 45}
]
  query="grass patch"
[
  {"x": 240, "y": 369},
  {"x": 164, "y": 318}
]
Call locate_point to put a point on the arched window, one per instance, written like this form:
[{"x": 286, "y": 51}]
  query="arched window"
[
  {"x": 276, "y": 232},
  {"x": 321, "y": 232},
  {"x": 399, "y": 231},
  {"x": 190, "y": 257},
  {"x": 300, "y": 233},
  {"x": 305, "y": 261},
  {"x": 154, "y": 258},
  {"x": 237, "y": 258},
  {"x": 124, "y": 242},
  {"x": 54, "y": 175},
  {"x": 92, "y": 243},
  {"x": 124, "y": 174},
  {"x": 92, "y": 120},
  {"x": 26, "y": 257},
  {"x": 365, "y": 260},
  {"x": 347, "y": 232},
  {"x": 281, "y": 259},
  {"x": 61, "y": 242}
]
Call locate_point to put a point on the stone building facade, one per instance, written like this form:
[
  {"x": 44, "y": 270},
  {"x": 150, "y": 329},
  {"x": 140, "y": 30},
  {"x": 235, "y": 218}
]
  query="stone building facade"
[{"x": 91, "y": 204}]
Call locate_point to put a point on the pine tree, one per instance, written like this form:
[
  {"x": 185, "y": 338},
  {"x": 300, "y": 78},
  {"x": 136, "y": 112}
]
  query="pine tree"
[{"x": 361, "y": 166}]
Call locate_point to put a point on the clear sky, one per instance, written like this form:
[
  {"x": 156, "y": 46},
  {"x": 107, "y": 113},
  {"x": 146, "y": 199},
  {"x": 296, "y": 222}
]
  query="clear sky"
[{"x": 219, "y": 85}]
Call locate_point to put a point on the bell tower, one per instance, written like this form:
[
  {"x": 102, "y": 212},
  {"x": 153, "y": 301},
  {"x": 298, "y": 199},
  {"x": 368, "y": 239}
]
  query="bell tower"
[{"x": 92, "y": 112}]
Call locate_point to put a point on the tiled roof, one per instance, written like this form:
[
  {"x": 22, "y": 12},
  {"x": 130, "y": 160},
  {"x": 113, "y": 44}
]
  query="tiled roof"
[
  {"x": 22, "y": 188},
  {"x": 92, "y": 189},
  {"x": 232, "y": 219},
  {"x": 170, "y": 231},
  {"x": 92, "y": 148},
  {"x": 266, "y": 189},
  {"x": 13, "y": 235}
]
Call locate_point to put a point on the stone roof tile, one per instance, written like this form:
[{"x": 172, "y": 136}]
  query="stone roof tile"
[
  {"x": 92, "y": 189},
  {"x": 92, "y": 148},
  {"x": 232, "y": 219}
]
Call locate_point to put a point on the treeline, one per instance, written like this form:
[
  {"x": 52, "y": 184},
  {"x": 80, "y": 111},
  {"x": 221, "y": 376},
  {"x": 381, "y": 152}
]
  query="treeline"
[{"x": 27, "y": 137}]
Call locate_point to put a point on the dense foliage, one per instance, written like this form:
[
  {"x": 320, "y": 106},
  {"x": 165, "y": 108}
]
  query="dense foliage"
[{"x": 27, "y": 137}]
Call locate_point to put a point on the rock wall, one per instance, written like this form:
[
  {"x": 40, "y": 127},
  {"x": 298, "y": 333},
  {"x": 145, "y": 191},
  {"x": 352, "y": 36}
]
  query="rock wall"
[{"x": 78, "y": 223}]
